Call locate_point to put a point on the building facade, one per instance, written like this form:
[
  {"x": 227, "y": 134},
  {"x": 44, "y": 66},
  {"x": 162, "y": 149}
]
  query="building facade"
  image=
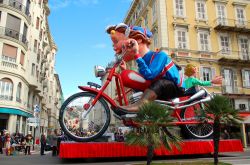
[
  {"x": 27, "y": 67},
  {"x": 212, "y": 34}
]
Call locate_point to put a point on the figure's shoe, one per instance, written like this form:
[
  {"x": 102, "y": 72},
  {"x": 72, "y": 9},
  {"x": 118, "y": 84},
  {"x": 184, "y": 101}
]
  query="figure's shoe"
[{"x": 120, "y": 111}]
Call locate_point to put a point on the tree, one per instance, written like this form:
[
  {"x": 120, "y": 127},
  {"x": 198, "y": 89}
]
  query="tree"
[
  {"x": 154, "y": 122},
  {"x": 220, "y": 111}
]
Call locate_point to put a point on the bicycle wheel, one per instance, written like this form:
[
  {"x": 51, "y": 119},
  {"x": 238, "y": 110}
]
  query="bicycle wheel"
[
  {"x": 74, "y": 123},
  {"x": 195, "y": 131}
]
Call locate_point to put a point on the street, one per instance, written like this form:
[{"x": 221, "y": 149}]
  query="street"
[{"x": 36, "y": 158}]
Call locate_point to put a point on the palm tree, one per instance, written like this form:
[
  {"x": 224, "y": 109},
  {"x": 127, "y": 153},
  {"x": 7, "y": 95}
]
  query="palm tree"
[
  {"x": 153, "y": 132},
  {"x": 220, "y": 111}
]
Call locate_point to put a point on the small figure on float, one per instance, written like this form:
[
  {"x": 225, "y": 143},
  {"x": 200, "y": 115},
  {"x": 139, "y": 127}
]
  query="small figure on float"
[
  {"x": 158, "y": 75},
  {"x": 191, "y": 82}
]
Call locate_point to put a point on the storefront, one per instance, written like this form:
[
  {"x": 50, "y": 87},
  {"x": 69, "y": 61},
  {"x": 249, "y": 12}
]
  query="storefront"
[{"x": 13, "y": 120}]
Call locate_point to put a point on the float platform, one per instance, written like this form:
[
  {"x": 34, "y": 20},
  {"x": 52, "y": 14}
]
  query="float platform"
[{"x": 120, "y": 149}]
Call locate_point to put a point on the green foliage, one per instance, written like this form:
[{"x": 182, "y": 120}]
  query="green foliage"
[
  {"x": 220, "y": 107},
  {"x": 155, "y": 122}
]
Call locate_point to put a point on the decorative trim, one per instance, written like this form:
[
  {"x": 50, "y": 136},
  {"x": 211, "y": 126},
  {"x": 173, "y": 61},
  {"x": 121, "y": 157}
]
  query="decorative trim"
[
  {"x": 175, "y": 24},
  {"x": 221, "y": 1},
  {"x": 239, "y": 4},
  {"x": 198, "y": 27}
]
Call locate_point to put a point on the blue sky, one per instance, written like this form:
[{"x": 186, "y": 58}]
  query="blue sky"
[{"x": 78, "y": 29}]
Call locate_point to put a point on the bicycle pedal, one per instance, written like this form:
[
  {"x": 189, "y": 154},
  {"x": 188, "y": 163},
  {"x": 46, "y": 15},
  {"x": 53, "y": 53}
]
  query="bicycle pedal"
[{"x": 129, "y": 116}]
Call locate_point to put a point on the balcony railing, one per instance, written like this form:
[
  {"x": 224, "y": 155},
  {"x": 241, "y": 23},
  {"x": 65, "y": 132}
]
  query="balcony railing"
[
  {"x": 232, "y": 25},
  {"x": 18, "y": 100},
  {"x": 17, "y": 5},
  {"x": 239, "y": 55},
  {"x": 9, "y": 62},
  {"x": 6, "y": 97},
  {"x": 227, "y": 89},
  {"x": 13, "y": 34}
]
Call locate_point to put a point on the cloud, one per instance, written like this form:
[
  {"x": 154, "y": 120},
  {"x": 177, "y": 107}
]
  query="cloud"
[
  {"x": 100, "y": 46},
  {"x": 57, "y": 4}
]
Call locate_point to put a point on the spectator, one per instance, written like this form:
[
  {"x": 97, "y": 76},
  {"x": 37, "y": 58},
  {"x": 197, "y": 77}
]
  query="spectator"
[
  {"x": 8, "y": 144},
  {"x": 52, "y": 138},
  {"x": 43, "y": 144},
  {"x": 226, "y": 134},
  {"x": 1, "y": 143},
  {"x": 120, "y": 136},
  {"x": 29, "y": 143}
]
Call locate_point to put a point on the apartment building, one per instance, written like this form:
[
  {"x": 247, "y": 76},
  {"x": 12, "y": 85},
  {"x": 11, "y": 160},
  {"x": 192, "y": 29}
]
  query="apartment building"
[
  {"x": 212, "y": 34},
  {"x": 28, "y": 80}
]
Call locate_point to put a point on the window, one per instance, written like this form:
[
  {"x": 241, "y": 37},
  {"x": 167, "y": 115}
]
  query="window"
[
  {"x": 182, "y": 71},
  {"x": 18, "y": 92},
  {"x": 22, "y": 57},
  {"x": 240, "y": 16},
  {"x": 246, "y": 78},
  {"x": 224, "y": 41},
  {"x": 154, "y": 16},
  {"x": 181, "y": 38},
  {"x": 33, "y": 70},
  {"x": 35, "y": 45},
  {"x": 179, "y": 8},
  {"x": 9, "y": 53},
  {"x": 201, "y": 10},
  {"x": 13, "y": 23},
  {"x": 243, "y": 41},
  {"x": 6, "y": 89},
  {"x": 221, "y": 14},
  {"x": 204, "y": 41},
  {"x": 24, "y": 37},
  {"x": 207, "y": 73},
  {"x": 242, "y": 106},
  {"x": 37, "y": 22}
]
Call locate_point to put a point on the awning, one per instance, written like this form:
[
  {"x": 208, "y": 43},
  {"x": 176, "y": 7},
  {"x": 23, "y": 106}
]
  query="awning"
[{"x": 15, "y": 112}]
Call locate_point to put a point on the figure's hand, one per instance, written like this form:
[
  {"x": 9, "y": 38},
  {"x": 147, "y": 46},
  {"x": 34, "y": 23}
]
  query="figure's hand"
[
  {"x": 217, "y": 80},
  {"x": 131, "y": 47},
  {"x": 123, "y": 65}
]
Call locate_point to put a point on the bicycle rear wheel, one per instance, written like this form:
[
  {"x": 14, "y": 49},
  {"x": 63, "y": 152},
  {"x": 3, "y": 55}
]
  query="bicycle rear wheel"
[
  {"x": 74, "y": 123},
  {"x": 195, "y": 131}
]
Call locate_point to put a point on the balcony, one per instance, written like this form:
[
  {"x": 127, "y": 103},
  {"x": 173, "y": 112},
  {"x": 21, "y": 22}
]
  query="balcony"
[
  {"x": 45, "y": 84},
  {"x": 6, "y": 97},
  {"x": 20, "y": 38},
  {"x": 17, "y": 6},
  {"x": 233, "y": 57},
  {"x": 232, "y": 90},
  {"x": 232, "y": 25}
]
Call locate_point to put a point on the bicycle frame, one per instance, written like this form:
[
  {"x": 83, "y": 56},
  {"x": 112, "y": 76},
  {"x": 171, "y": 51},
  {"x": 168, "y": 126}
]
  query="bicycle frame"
[{"x": 122, "y": 97}]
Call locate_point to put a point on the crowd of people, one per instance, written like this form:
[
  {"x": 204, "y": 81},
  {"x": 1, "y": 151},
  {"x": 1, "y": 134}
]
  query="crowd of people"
[
  {"x": 15, "y": 142},
  {"x": 10, "y": 144}
]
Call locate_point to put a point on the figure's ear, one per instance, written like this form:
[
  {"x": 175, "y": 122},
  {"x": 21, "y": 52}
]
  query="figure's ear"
[{"x": 139, "y": 41}]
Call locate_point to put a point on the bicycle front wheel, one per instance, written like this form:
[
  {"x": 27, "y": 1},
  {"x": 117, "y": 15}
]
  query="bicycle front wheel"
[{"x": 79, "y": 125}]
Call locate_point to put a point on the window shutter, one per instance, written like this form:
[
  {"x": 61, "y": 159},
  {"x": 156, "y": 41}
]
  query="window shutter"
[
  {"x": 235, "y": 78},
  {"x": 9, "y": 51},
  {"x": 22, "y": 58},
  {"x": 201, "y": 73},
  {"x": 213, "y": 73},
  {"x": 243, "y": 78}
]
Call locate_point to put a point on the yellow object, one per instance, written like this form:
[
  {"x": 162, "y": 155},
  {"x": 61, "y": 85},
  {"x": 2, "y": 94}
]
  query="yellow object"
[{"x": 112, "y": 32}]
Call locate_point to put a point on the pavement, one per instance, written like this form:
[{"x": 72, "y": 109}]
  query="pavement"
[{"x": 235, "y": 158}]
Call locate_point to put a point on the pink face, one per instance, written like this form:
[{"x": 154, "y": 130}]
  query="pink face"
[
  {"x": 195, "y": 70},
  {"x": 117, "y": 39}
]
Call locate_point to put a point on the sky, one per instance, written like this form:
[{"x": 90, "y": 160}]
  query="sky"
[{"x": 78, "y": 29}]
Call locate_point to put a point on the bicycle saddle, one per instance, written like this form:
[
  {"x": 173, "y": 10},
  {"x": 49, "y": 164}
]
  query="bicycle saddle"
[{"x": 94, "y": 85}]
